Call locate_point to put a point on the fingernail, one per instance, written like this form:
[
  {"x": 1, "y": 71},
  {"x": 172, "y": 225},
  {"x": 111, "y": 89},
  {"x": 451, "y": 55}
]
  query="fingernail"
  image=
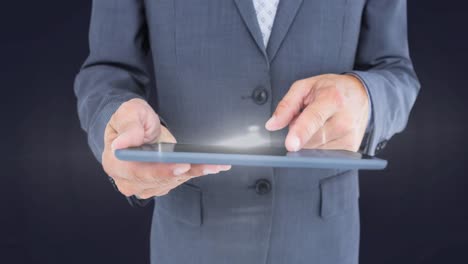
[
  {"x": 224, "y": 167},
  {"x": 270, "y": 122},
  {"x": 209, "y": 171},
  {"x": 295, "y": 143},
  {"x": 181, "y": 170}
]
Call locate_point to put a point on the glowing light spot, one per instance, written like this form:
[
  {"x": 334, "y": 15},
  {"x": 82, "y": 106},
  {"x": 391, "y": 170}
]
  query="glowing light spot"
[
  {"x": 251, "y": 138},
  {"x": 254, "y": 128}
]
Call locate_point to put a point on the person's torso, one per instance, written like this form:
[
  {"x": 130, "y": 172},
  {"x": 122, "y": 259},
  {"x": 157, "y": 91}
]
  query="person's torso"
[{"x": 217, "y": 85}]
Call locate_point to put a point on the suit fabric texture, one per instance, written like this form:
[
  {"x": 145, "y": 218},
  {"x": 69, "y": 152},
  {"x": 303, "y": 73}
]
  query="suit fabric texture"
[{"x": 214, "y": 81}]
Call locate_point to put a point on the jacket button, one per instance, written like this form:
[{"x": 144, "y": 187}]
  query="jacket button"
[
  {"x": 381, "y": 145},
  {"x": 262, "y": 186},
  {"x": 260, "y": 95}
]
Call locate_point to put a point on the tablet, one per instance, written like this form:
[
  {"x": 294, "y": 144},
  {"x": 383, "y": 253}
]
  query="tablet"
[{"x": 256, "y": 156}]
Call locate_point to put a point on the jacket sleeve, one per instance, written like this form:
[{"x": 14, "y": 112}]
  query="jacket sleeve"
[
  {"x": 384, "y": 66},
  {"x": 116, "y": 68}
]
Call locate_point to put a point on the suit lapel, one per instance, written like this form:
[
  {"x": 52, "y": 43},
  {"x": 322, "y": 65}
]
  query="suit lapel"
[
  {"x": 285, "y": 15},
  {"x": 247, "y": 11}
]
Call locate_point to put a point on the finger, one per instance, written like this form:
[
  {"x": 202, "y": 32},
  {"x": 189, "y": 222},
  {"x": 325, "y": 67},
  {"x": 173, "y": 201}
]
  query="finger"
[
  {"x": 159, "y": 172},
  {"x": 293, "y": 121},
  {"x": 144, "y": 172},
  {"x": 175, "y": 182},
  {"x": 135, "y": 123},
  {"x": 163, "y": 190},
  {"x": 345, "y": 143},
  {"x": 308, "y": 123},
  {"x": 195, "y": 170},
  {"x": 161, "y": 185},
  {"x": 166, "y": 136},
  {"x": 131, "y": 135},
  {"x": 201, "y": 170},
  {"x": 147, "y": 178},
  {"x": 291, "y": 105},
  {"x": 333, "y": 129}
]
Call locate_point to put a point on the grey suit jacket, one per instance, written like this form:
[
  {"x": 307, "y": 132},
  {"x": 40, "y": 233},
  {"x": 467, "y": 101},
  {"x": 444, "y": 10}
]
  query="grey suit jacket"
[{"x": 208, "y": 61}]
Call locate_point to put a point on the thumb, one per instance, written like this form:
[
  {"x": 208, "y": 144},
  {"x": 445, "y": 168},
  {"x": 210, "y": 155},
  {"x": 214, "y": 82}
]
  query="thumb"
[
  {"x": 135, "y": 127},
  {"x": 131, "y": 136},
  {"x": 166, "y": 136}
]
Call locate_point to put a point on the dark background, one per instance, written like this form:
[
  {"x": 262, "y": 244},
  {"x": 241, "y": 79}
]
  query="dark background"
[{"x": 58, "y": 207}]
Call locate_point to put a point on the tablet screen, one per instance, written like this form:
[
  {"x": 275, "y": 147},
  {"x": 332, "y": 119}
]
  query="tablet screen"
[{"x": 264, "y": 151}]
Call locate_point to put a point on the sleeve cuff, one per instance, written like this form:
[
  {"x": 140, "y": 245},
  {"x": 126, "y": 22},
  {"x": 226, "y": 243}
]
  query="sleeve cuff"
[
  {"x": 369, "y": 141},
  {"x": 370, "y": 120}
]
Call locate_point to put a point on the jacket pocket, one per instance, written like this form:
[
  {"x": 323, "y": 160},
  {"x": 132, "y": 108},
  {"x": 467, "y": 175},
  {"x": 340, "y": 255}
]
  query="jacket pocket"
[
  {"x": 339, "y": 193},
  {"x": 183, "y": 203}
]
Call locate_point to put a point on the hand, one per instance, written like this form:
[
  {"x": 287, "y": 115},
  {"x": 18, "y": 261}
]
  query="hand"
[
  {"x": 326, "y": 112},
  {"x": 134, "y": 124}
]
